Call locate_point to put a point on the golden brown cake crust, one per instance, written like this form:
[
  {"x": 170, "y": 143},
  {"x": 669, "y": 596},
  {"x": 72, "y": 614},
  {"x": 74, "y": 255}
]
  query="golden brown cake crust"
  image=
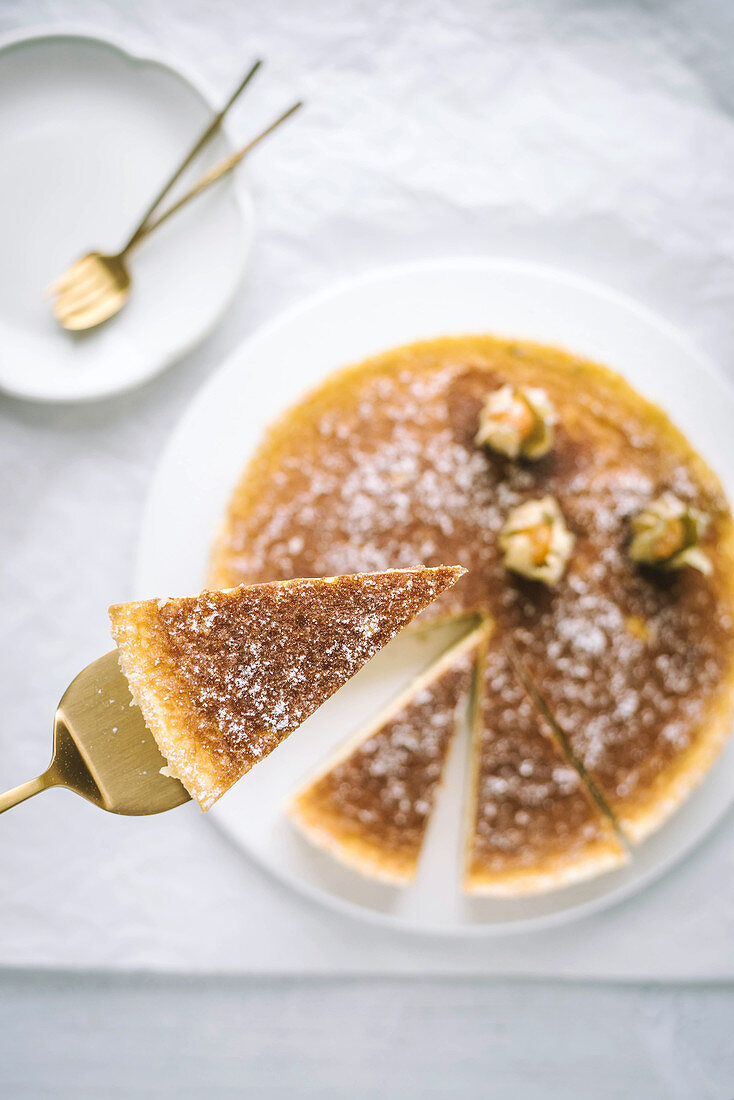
[
  {"x": 370, "y": 805},
  {"x": 379, "y": 467},
  {"x": 223, "y": 677},
  {"x": 531, "y": 824}
]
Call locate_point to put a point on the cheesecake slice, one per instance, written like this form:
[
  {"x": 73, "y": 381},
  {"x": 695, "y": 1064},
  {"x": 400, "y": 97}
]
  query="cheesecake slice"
[
  {"x": 371, "y": 803},
  {"x": 223, "y": 677},
  {"x": 532, "y": 824}
]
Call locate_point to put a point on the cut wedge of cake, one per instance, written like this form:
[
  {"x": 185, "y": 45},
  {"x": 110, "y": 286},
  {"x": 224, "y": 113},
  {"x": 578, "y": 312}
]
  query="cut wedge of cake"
[
  {"x": 371, "y": 803},
  {"x": 380, "y": 467},
  {"x": 423, "y": 454},
  {"x": 223, "y": 677},
  {"x": 532, "y": 825}
]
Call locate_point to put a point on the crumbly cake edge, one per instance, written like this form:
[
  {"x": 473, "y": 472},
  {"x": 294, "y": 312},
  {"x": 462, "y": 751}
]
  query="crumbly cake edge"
[
  {"x": 664, "y": 798},
  {"x": 358, "y": 853},
  {"x": 367, "y": 859},
  {"x": 598, "y": 858},
  {"x": 186, "y": 759}
]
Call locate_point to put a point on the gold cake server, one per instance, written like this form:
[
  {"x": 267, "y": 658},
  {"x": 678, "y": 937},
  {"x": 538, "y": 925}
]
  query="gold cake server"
[{"x": 103, "y": 749}]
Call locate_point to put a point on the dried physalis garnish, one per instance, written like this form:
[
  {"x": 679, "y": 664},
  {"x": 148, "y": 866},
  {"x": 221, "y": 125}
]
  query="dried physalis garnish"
[
  {"x": 667, "y": 534},
  {"x": 517, "y": 421},
  {"x": 536, "y": 542}
]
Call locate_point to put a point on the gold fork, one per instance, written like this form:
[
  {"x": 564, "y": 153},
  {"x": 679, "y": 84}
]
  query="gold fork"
[
  {"x": 103, "y": 749},
  {"x": 97, "y": 286},
  {"x": 99, "y": 264}
]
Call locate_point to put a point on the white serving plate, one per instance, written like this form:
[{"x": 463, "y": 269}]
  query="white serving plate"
[
  {"x": 224, "y": 424},
  {"x": 89, "y": 130}
]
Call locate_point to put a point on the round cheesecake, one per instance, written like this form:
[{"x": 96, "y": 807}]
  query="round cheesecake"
[{"x": 379, "y": 468}]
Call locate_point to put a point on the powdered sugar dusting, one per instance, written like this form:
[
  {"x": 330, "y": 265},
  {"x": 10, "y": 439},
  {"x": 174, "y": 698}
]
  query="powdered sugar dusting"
[
  {"x": 361, "y": 490},
  {"x": 530, "y": 807},
  {"x": 383, "y": 792},
  {"x": 236, "y": 671},
  {"x": 384, "y": 472}
]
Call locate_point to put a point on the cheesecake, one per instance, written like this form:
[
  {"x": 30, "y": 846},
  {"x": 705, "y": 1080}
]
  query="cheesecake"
[
  {"x": 620, "y": 606},
  {"x": 223, "y": 677},
  {"x": 370, "y": 804}
]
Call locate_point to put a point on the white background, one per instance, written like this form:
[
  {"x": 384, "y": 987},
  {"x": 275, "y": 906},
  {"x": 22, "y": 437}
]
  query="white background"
[{"x": 598, "y": 137}]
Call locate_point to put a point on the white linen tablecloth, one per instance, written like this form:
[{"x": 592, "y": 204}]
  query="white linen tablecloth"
[{"x": 596, "y": 137}]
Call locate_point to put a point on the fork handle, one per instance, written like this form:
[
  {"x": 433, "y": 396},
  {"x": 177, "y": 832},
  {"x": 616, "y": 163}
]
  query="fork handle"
[
  {"x": 140, "y": 229},
  {"x": 26, "y": 790},
  {"x": 216, "y": 173}
]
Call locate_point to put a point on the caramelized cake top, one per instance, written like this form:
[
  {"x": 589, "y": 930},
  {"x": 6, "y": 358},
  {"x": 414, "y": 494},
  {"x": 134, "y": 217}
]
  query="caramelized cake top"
[
  {"x": 379, "y": 467},
  {"x": 372, "y": 803},
  {"x": 533, "y": 822},
  {"x": 224, "y": 676}
]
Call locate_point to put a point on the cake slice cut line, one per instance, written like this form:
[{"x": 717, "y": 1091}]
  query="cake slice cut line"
[
  {"x": 223, "y": 677},
  {"x": 531, "y": 823},
  {"x": 387, "y": 843},
  {"x": 563, "y": 742},
  {"x": 379, "y": 467}
]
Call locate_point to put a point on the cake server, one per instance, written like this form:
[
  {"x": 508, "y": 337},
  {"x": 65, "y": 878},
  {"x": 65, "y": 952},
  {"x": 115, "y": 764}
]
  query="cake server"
[{"x": 103, "y": 749}]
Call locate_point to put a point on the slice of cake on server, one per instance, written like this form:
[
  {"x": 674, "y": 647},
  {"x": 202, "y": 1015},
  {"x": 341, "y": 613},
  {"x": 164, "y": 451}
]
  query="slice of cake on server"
[
  {"x": 371, "y": 803},
  {"x": 223, "y": 677}
]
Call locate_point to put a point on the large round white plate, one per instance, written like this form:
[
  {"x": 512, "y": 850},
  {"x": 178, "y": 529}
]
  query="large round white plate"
[
  {"x": 225, "y": 422},
  {"x": 89, "y": 132}
]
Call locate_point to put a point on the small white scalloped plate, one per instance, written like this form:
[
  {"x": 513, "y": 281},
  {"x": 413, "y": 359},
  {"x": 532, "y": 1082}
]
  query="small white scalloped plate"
[
  {"x": 89, "y": 130},
  {"x": 224, "y": 424}
]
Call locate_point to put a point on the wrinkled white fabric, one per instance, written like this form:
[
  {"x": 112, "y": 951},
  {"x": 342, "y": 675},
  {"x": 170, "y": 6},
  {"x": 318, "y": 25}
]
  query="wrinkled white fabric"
[{"x": 598, "y": 137}]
